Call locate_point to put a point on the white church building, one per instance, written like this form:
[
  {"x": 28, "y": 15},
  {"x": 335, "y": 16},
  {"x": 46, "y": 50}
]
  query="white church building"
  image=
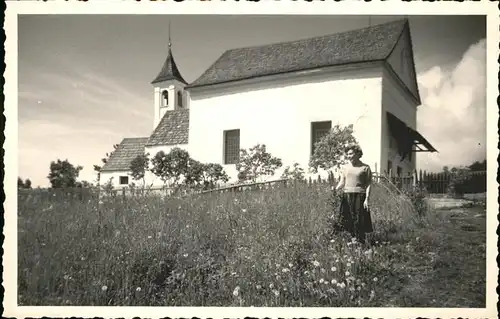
[{"x": 286, "y": 96}]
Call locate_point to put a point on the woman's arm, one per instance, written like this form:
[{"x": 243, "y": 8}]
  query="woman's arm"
[
  {"x": 368, "y": 187},
  {"x": 341, "y": 181}
]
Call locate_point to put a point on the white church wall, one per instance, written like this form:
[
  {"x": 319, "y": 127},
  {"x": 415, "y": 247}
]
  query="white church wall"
[
  {"x": 280, "y": 115},
  {"x": 396, "y": 101},
  {"x": 114, "y": 177}
]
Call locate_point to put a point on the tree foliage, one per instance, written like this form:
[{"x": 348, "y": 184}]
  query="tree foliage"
[
  {"x": 63, "y": 174},
  {"x": 329, "y": 151},
  {"x": 171, "y": 167},
  {"x": 139, "y": 166},
  {"x": 178, "y": 168},
  {"x": 23, "y": 184},
  {"x": 255, "y": 163},
  {"x": 295, "y": 172}
]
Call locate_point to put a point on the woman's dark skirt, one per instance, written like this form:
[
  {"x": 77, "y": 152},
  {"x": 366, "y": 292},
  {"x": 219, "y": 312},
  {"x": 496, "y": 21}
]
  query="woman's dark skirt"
[{"x": 354, "y": 218}]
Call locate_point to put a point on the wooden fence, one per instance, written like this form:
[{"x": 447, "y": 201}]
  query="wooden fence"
[{"x": 434, "y": 183}]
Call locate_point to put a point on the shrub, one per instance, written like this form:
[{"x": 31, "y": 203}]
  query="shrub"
[
  {"x": 256, "y": 162},
  {"x": 294, "y": 173}
]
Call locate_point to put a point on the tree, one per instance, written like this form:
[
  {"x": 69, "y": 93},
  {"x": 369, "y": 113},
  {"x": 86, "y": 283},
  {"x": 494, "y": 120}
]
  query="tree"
[
  {"x": 329, "y": 151},
  {"x": 255, "y": 163},
  {"x": 139, "y": 166},
  {"x": 104, "y": 160},
  {"x": 23, "y": 184},
  {"x": 212, "y": 174},
  {"x": 295, "y": 173},
  {"x": 63, "y": 174},
  {"x": 171, "y": 167}
]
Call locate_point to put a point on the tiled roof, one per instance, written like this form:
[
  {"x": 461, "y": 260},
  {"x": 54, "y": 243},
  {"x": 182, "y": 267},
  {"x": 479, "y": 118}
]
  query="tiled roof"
[
  {"x": 124, "y": 154},
  {"x": 373, "y": 43},
  {"x": 172, "y": 129},
  {"x": 169, "y": 70}
]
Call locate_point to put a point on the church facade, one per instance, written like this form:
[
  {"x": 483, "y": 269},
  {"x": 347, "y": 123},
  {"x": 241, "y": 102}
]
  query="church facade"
[{"x": 287, "y": 96}]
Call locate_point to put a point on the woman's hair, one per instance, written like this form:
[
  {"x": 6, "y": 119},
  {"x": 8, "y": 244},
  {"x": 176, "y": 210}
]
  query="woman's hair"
[{"x": 355, "y": 148}]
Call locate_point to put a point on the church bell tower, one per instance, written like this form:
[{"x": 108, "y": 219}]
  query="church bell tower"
[{"x": 168, "y": 86}]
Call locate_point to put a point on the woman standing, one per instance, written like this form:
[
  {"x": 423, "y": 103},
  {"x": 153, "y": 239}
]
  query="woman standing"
[{"x": 355, "y": 181}]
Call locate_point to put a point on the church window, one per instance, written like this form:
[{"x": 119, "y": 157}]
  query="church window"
[
  {"x": 318, "y": 131},
  {"x": 123, "y": 180},
  {"x": 231, "y": 146},
  {"x": 179, "y": 98},
  {"x": 164, "y": 95}
]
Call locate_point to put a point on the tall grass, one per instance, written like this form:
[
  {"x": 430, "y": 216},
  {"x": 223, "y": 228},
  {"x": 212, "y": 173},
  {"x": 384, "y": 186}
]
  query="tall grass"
[{"x": 253, "y": 248}]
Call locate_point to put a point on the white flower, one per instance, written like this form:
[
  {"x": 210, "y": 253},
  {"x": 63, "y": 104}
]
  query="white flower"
[
  {"x": 236, "y": 291},
  {"x": 66, "y": 277},
  {"x": 104, "y": 288},
  {"x": 348, "y": 264},
  {"x": 333, "y": 269},
  {"x": 375, "y": 279},
  {"x": 334, "y": 281},
  {"x": 321, "y": 280},
  {"x": 185, "y": 255},
  {"x": 290, "y": 265},
  {"x": 347, "y": 273},
  {"x": 285, "y": 270},
  {"x": 276, "y": 292},
  {"x": 271, "y": 286},
  {"x": 315, "y": 263},
  {"x": 258, "y": 287},
  {"x": 244, "y": 210},
  {"x": 138, "y": 289}
]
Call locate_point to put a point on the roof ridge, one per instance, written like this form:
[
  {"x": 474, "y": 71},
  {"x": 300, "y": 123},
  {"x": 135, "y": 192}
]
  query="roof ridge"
[{"x": 317, "y": 37}]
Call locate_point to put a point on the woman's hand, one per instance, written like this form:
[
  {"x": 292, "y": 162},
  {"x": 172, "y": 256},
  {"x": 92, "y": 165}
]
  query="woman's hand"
[{"x": 365, "y": 204}]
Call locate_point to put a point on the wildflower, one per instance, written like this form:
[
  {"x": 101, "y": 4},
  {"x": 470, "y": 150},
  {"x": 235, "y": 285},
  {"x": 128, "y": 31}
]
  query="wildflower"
[
  {"x": 347, "y": 273},
  {"x": 290, "y": 265},
  {"x": 348, "y": 264},
  {"x": 138, "y": 289},
  {"x": 333, "y": 269},
  {"x": 104, "y": 288},
  {"x": 149, "y": 237},
  {"x": 331, "y": 290},
  {"x": 244, "y": 210},
  {"x": 306, "y": 272},
  {"x": 334, "y": 281},
  {"x": 271, "y": 286},
  {"x": 276, "y": 292},
  {"x": 285, "y": 270},
  {"x": 332, "y": 240},
  {"x": 321, "y": 280},
  {"x": 375, "y": 279},
  {"x": 236, "y": 291},
  {"x": 185, "y": 255},
  {"x": 323, "y": 270},
  {"x": 315, "y": 263},
  {"x": 341, "y": 285},
  {"x": 82, "y": 259},
  {"x": 258, "y": 287},
  {"x": 359, "y": 288},
  {"x": 278, "y": 265},
  {"x": 67, "y": 277}
]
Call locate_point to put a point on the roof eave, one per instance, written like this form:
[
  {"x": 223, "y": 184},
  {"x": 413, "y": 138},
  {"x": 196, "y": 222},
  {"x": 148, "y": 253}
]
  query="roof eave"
[{"x": 327, "y": 68}]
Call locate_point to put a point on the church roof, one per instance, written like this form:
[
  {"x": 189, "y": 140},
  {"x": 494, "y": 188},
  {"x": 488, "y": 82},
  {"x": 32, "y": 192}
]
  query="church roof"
[
  {"x": 374, "y": 43},
  {"x": 169, "y": 71},
  {"x": 124, "y": 154},
  {"x": 173, "y": 129}
]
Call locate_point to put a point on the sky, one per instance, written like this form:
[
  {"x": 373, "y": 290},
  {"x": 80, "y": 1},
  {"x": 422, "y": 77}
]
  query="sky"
[{"x": 85, "y": 80}]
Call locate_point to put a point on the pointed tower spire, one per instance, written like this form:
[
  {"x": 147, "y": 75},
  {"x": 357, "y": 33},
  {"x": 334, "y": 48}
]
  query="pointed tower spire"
[{"x": 169, "y": 70}]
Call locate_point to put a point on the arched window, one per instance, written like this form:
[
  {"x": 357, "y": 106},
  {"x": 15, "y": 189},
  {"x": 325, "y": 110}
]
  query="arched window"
[
  {"x": 164, "y": 95},
  {"x": 179, "y": 98}
]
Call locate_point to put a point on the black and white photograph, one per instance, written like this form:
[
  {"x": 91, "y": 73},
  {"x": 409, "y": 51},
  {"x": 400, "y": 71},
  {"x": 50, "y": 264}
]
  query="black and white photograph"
[{"x": 269, "y": 164}]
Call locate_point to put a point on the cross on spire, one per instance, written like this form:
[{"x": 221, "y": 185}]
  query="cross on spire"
[{"x": 169, "y": 38}]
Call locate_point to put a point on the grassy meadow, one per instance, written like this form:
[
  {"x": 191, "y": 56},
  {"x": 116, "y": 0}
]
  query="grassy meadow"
[{"x": 272, "y": 247}]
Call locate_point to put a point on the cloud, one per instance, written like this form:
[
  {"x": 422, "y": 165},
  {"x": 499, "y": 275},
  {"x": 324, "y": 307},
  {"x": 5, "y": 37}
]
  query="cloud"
[{"x": 453, "y": 111}]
